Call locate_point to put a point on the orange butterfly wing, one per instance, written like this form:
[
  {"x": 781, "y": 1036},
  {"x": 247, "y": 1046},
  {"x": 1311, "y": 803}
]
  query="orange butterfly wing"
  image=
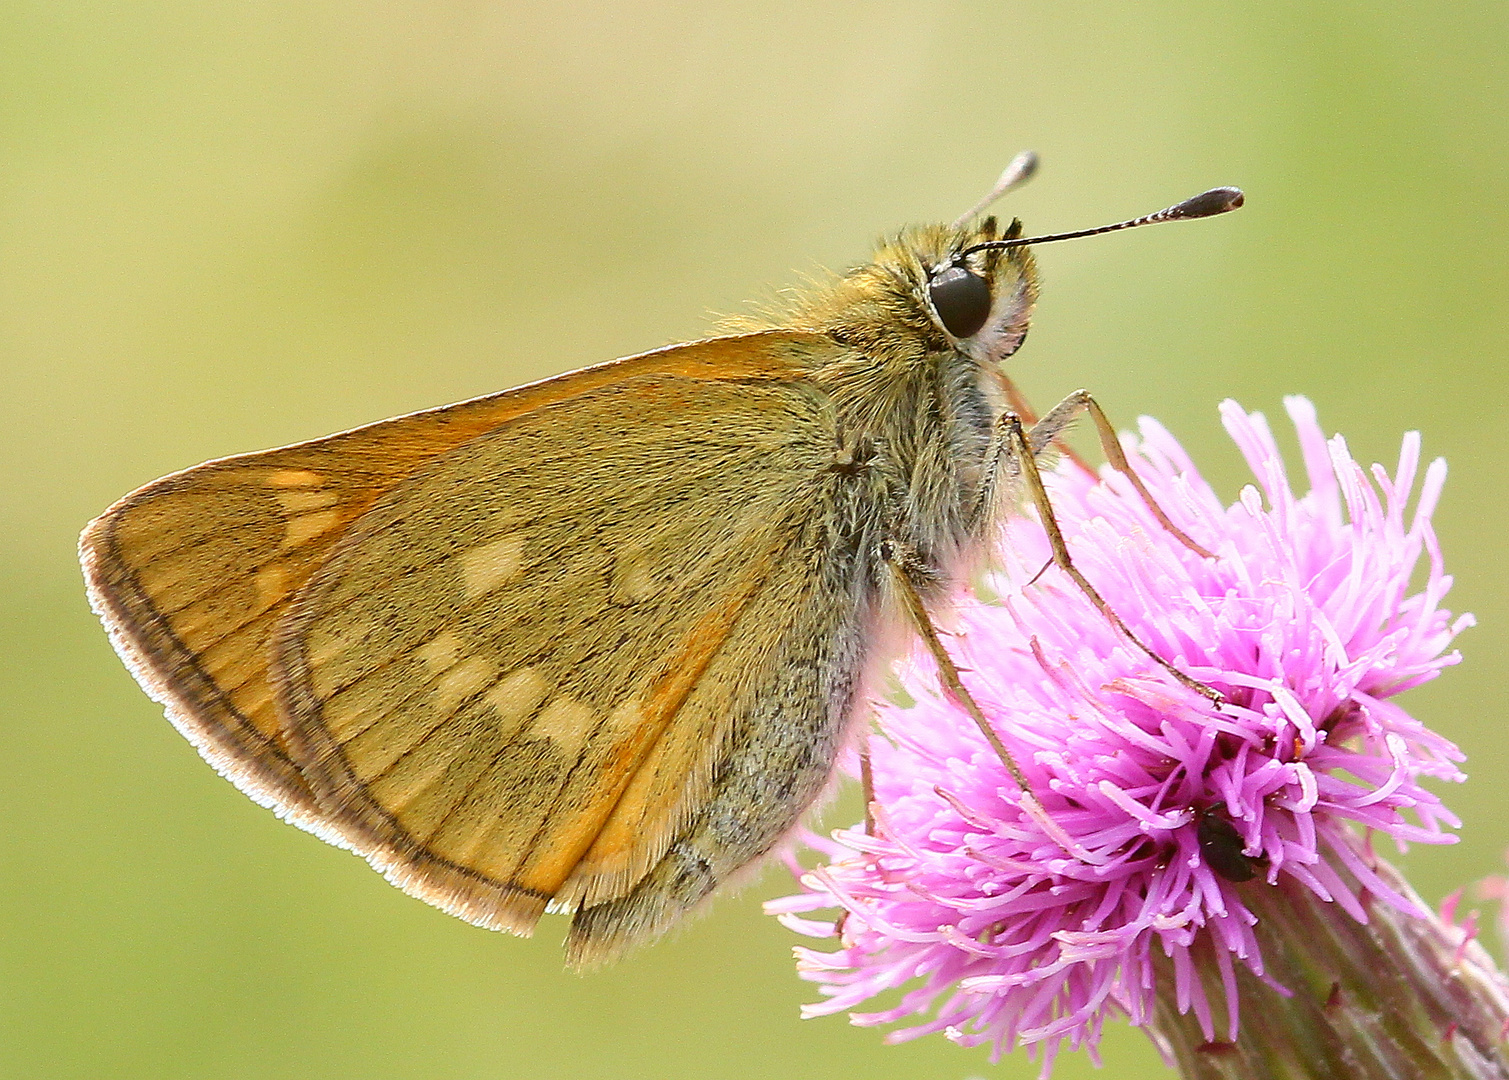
[{"x": 223, "y": 587}]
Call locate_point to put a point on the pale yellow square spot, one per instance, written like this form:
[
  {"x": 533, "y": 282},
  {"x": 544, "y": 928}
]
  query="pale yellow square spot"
[
  {"x": 345, "y": 715},
  {"x": 516, "y": 697},
  {"x": 565, "y": 722},
  {"x": 440, "y": 652},
  {"x": 634, "y": 578},
  {"x": 195, "y": 618},
  {"x": 485, "y": 568},
  {"x": 507, "y": 520},
  {"x": 323, "y": 645},
  {"x": 272, "y": 584},
  {"x": 462, "y": 681},
  {"x": 287, "y": 478},
  {"x": 305, "y": 528},
  {"x": 625, "y": 717},
  {"x": 298, "y": 502},
  {"x": 397, "y": 791}
]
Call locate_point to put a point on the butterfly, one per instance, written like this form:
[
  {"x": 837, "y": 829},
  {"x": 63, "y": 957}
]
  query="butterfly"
[{"x": 594, "y": 644}]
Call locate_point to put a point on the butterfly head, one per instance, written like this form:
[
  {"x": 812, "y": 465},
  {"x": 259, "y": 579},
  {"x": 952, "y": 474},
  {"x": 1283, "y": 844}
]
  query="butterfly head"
[
  {"x": 925, "y": 292},
  {"x": 980, "y": 297}
]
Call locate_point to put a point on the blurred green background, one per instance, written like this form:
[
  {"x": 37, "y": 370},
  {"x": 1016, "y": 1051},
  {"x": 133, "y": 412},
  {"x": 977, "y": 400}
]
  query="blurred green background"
[{"x": 228, "y": 226}]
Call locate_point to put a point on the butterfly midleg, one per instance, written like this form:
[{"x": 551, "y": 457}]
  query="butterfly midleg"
[
  {"x": 905, "y": 568},
  {"x": 1015, "y": 454}
]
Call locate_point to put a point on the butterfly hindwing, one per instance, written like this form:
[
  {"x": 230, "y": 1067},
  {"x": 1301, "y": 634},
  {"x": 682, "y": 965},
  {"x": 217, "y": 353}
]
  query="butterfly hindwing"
[
  {"x": 460, "y": 643},
  {"x": 514, "y": 679}
]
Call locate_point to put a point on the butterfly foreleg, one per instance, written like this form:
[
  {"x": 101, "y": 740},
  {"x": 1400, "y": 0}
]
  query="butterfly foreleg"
[
  {"x": 1019, "y": 450},
  {"x": 1003, "y": 478},
  {"x": 1044, "y": 431},
  {"x": 1017, "y": 402}
]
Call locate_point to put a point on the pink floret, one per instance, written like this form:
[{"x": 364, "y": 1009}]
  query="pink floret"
[{"x": 1027, "y": 921}]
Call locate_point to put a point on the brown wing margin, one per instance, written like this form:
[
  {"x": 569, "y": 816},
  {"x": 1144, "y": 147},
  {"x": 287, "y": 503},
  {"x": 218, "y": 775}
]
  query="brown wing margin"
[{"x": 159, "y": 564}]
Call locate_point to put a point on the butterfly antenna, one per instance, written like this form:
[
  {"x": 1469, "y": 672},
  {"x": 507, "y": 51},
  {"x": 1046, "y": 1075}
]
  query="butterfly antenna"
[
  {"x": 1206, "y": 204},
  {"x": 1021, "y": 169}
]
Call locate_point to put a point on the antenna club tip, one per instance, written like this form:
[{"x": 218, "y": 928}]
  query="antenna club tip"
[
  {"x": 1017, "y": 172},
  {"x": 1209, "y": 203},
  {"x": 1025, "y": 163}
]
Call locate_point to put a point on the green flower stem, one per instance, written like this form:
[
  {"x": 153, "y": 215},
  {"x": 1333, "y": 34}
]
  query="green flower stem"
[{"x": 1399, "y": 998}]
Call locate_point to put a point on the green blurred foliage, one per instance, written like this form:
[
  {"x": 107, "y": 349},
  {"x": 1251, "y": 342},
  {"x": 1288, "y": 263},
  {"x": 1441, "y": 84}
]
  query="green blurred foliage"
[{"x": 229, "y": 226}]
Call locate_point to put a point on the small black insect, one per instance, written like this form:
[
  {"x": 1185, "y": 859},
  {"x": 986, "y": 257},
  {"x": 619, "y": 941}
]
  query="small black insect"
[{"x": 1221, "y": 845}]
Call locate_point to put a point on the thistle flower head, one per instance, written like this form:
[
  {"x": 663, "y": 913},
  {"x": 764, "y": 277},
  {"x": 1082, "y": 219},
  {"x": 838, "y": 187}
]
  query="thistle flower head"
[{"x": 1027, "y": 918}]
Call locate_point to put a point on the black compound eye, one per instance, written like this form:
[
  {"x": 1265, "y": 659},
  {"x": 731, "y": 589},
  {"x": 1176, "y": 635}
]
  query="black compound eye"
[{"x": 961, "y": 298}]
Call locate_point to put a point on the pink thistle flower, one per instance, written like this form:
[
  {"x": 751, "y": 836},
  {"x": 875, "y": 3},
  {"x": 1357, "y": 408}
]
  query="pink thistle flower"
[{"x": 1026, "y": 920}]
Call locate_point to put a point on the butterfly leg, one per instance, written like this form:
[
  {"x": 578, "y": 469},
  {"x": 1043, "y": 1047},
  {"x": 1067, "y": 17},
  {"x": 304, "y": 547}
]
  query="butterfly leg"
[
  {"x": 904, "y": 568},
  {"x": 1019, "y": 450},
  {"x": 1018, "y": 403},
  {"x": 1044, "y": 431},
  {"x": 867, "y": 784},
  {"x": 867, "y": 789}
]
